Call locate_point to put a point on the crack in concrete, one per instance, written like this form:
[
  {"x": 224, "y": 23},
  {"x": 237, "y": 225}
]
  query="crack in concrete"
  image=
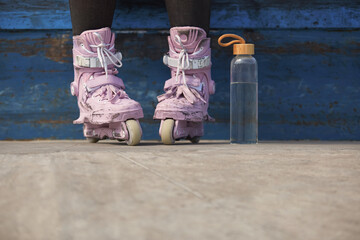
[{"x": 172, "y": 181}]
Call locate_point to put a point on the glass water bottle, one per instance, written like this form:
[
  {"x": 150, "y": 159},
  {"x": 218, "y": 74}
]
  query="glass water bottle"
[{"x": 243, "y": 92}]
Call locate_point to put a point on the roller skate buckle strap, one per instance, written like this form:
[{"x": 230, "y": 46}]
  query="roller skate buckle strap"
[
  {"x": 193, "y": 63},
  {"x": 95, "y": 83},
  {"x": 93, "y": 62}
]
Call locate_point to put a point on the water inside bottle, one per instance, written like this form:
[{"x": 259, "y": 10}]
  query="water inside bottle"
[{"x": 244, "y": 112}]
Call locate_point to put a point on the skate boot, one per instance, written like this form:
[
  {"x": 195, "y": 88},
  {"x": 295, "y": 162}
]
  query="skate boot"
[
  {"x": 183, "y": 107},
  {"x": 105, "y": 109}
]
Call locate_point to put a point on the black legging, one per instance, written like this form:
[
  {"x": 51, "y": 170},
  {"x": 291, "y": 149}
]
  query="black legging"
[{"x": 94, "y": 14}]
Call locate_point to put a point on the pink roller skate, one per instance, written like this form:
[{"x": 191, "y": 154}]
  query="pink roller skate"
[
  {"x": 183, "y": 107},
  {"x": 105, "y": 109}
]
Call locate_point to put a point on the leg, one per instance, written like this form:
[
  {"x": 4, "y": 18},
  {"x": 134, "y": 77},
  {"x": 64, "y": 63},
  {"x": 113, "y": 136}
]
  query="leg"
[
  {"x": 183, "y": 107},
  {"x": 105, "y": 109},
  {"x": 92, "y": 14},
  {"x": 189, "y": 13}
]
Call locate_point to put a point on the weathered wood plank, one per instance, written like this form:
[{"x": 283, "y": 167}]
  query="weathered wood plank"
[
  {"x": 309, "y": 84},
  {"x": 226, "y": 14},
  {"x": 39, "y": 5}
]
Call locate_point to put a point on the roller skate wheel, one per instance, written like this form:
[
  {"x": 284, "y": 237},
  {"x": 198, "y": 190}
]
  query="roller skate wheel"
[
  {"x": 195, "y": 140},
  {"x": 167, "y": 131},
  {"x": 134, "y": 131},
  {"x": 93, "y": 140}
]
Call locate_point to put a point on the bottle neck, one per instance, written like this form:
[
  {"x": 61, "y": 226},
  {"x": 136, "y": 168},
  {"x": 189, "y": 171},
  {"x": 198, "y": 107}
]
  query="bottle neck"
[{"x": 243, "y": 55}]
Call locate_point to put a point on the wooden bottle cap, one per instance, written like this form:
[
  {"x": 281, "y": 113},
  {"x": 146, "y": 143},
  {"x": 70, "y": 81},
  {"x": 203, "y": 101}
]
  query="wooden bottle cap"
[
  {"x": 246, "y": 48},
  {"x": 240, "y": 47}
]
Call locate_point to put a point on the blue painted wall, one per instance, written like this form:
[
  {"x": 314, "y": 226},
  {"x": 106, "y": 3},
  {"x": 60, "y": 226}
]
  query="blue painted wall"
[{"x": 308, "y": 55}]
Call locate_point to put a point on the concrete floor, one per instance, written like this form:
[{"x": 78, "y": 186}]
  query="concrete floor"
[{"x": 213, "y": 190}]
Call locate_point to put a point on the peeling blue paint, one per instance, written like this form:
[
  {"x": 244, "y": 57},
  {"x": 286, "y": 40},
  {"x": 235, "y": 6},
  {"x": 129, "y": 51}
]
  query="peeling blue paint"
[
  {"x": 308, "y": 55},
  {"x": 309, "y": 84}
]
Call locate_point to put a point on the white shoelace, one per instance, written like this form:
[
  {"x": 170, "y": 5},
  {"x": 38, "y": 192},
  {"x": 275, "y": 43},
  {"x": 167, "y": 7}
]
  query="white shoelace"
[
  {"x": 102, "y": 51},
  {"x": 183, "y": 61}
]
